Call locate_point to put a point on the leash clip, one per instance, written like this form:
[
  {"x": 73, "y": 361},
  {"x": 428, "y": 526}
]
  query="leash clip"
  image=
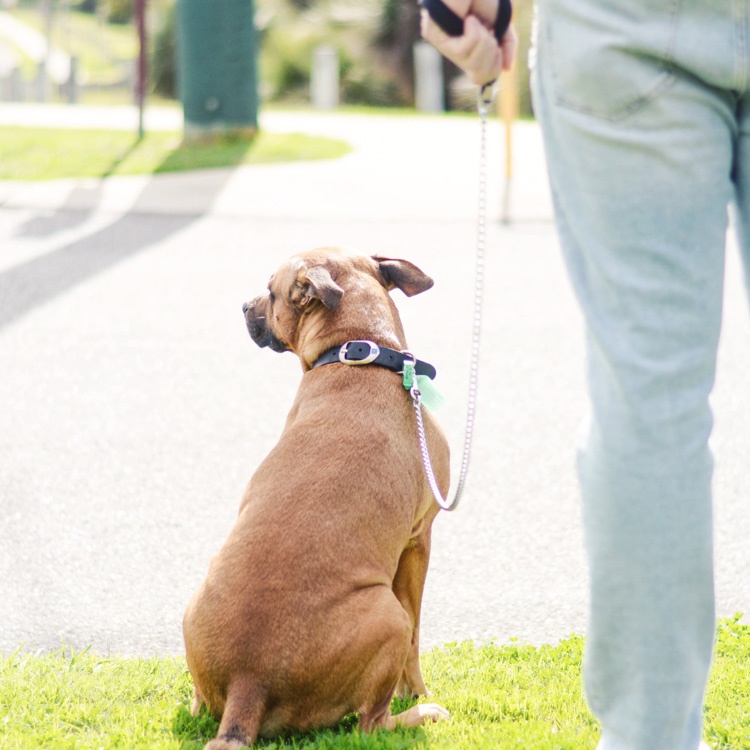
[{"x": 485, "y": 95}]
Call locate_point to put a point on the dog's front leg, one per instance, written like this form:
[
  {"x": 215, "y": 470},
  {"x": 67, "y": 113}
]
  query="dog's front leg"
[{"x": 408, "y": 585}]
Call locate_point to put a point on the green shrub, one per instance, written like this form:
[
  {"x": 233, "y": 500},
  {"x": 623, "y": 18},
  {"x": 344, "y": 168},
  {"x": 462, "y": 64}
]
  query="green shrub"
[
  {"x": 286, "y": 60},
  {"x": 163, "y": 62},
  {"x": 120, "y": 11},
  {"x": 86, "y": 6}
]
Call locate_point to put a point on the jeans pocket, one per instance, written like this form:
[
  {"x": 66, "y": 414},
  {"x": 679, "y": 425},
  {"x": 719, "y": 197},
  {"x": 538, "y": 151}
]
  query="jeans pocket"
[{"x": 605, "y": 60}]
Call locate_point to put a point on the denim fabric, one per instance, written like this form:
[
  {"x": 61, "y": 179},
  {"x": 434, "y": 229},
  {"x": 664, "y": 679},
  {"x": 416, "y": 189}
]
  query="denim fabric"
[{"x": 645, "y": 110}]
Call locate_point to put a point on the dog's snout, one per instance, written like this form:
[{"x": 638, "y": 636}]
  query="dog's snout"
[{"x": 250, "y": 307}]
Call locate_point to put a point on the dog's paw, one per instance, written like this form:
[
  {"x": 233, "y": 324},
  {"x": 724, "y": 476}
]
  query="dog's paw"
[
  {"x": 225, "y": 744},
  {"x": 407, "y": 691},
  {"x": 430, "y": 712},
  {"x": 195, "y": 707},
  {"x": 422, "y": 713},
  {"x": 221, "y": 745}
]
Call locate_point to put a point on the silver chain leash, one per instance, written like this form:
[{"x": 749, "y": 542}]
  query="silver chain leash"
[{"x": 484, "y": 100}]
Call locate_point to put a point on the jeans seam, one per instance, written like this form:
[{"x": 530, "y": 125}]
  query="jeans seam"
[{"x": 741, "y": 20}]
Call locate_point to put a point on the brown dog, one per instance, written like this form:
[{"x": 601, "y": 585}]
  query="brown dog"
[{"x": 310, "y": 611}]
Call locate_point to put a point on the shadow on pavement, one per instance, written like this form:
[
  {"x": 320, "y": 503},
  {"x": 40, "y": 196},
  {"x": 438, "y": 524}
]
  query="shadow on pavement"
[
  {"x": 37, "y": 281},
  {"x": 81, "y": 202}
]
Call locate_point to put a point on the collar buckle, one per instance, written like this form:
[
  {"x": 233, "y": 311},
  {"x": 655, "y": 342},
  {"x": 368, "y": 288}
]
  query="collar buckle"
[{"x": 359, "y": 352}]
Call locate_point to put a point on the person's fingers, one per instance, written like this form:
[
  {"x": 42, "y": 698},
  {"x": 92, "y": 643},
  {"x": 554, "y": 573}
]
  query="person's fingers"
[
  {"x": 431, "y": 32},
  {"x": 509, "y": 47},
  {"x": 476, "y": 52},
  {"x": 482, "y": 58},
  {"x": 485, "y": 10}
]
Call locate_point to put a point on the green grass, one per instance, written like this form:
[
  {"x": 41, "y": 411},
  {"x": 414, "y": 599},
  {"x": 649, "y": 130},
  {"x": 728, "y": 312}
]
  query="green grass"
[
  {"x": 510, "y": 696},
  {"x": 44, "y": 154}
]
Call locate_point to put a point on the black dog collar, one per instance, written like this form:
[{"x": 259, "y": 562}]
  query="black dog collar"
[{"x": 370, "y": 353}]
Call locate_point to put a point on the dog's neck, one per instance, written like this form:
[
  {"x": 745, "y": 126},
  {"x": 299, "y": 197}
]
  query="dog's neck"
[{"x": 375, "y": 320}]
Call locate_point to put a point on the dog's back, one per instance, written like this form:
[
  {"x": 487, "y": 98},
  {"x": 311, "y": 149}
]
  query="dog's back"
[{"x": 297, "y": 575}]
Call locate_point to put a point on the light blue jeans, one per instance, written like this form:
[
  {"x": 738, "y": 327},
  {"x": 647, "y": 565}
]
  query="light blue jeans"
[{"x": 645, "y": 110}]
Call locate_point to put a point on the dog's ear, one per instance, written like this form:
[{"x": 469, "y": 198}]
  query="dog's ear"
[
  {"x": 404, "y": 275},
  {"x": 321, "y": 286}
]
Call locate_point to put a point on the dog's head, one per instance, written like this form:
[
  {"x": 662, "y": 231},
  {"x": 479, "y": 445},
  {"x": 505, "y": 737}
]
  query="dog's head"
[{"x": 329, "y": 294}]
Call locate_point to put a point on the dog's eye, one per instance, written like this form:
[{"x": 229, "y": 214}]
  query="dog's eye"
[{"x": 271, "y": 296}]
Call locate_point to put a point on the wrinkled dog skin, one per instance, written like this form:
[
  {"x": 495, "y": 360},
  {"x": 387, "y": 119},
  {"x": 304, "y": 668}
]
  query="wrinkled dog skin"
[{"x": 310, "y": 611}]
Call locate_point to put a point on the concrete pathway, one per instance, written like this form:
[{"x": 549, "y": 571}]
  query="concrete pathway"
[{"x": 135, "y": 407}]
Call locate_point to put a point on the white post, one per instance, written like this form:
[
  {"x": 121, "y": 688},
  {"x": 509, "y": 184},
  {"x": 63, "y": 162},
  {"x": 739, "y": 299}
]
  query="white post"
[
  {"x": 324, "y": 78},
  {"x": 43, "y": 71},
  {"x": 71, "y": 85},
  {"x": 16, "y": 86},
  {"x": 41, "y": 82},
  {"x": 428, "y": 78}
]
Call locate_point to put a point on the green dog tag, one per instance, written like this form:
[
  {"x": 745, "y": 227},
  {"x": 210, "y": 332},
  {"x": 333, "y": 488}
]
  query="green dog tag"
[
  {"x": 408, "y": 375},
  {"x": 432, "y": 398}
]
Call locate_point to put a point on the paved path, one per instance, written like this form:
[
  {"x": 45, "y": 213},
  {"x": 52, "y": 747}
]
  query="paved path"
[{"x": 134, "y": 407}]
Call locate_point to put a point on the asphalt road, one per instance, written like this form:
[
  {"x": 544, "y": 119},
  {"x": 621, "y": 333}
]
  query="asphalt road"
[{"x": 134, "y": 406}]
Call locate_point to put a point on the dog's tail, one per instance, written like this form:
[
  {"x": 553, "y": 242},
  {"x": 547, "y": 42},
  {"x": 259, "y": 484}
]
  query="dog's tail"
[{"x": 243, "y": 714}]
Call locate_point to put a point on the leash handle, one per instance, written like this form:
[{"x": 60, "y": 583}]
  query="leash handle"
[
  {"x": 453, "y": 25},
  {"x": 502, "y": 21},
  {"x": 448, "y": 20}
]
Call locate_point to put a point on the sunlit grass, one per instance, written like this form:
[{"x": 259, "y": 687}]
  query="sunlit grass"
[
  {"x": 44, "y": 153},
  {"x": 510, "y": 696}
]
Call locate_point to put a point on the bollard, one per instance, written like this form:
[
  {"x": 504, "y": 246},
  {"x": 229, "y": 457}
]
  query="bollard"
[
  {"x": 428, "y": 78},
  {"x": 41, "y": 83},
  {"x": 216, "y": 71},
  {"x": 16, "y": 88},
  {"x": 71, "y": 85},
  {"x": 324, "y": 78}
]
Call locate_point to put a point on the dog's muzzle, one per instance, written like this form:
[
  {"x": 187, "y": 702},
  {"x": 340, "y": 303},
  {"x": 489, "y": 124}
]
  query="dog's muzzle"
[{"x": 257, "y": 326}]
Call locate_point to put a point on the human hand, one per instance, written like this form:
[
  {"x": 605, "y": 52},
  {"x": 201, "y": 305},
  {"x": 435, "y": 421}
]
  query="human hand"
[{"x": 476, "y": 51}]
